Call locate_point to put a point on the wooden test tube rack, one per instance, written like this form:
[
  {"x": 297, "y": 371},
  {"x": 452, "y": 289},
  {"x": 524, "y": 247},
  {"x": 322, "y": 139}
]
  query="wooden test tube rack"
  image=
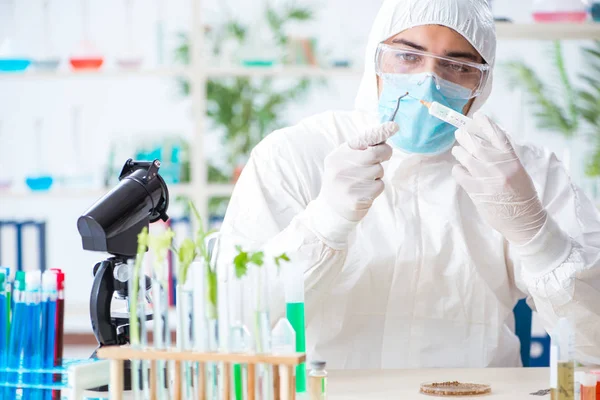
[{"x": 119, "y": 354}]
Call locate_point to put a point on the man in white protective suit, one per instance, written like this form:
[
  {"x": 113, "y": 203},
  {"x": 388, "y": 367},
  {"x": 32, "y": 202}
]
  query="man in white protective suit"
[{"x": 417, "y": 240}]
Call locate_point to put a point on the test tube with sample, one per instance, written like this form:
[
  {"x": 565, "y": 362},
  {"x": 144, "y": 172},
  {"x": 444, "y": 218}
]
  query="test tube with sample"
[
  {"x": 294, "y": 300},
  {"x": 446, "y": 114},
  {"x": 562, "y": 362}
]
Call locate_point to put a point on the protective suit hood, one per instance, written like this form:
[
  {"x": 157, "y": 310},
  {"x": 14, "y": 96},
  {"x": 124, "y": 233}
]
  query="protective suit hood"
[{"x": 473, "y": 19}]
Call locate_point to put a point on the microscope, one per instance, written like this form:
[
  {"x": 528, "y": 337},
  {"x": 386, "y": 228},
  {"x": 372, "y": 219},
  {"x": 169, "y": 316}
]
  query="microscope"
[{"x": 111, "y": 225}]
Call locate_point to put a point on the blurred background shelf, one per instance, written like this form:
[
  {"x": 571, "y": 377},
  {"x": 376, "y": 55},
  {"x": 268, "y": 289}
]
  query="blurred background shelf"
[
  {"x": 278, "y": 71},
  {"x": 217, "y": 190},
  {"x": 101, "y": 74},
  {"x": 548, "y": 31},
  {"x": 212, "y": 72}
]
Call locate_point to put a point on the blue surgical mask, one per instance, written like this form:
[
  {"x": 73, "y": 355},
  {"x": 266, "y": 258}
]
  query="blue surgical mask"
[{"x": 419, "y": 131}]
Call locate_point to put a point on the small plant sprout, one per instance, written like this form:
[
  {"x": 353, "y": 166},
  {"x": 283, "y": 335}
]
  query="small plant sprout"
[
  {"x": 202, "y": 251},
  {"x": 159, "y": 245},
  {"x": 243, "y": 258},
  {"x": 186, "y": 255}
]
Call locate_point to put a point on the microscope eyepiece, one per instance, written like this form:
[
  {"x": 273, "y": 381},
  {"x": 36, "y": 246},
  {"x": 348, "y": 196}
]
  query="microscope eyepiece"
[{"x": 112, "y": 224}]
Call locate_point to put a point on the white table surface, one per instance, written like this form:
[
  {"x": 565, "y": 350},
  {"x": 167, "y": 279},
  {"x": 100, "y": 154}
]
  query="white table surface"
[{"x": 507, "y": 383}]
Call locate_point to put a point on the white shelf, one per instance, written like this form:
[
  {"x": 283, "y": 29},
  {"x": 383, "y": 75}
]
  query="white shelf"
[
  {"x": 219, "y": 190},
  {"x": 32, "y": 74},
  {"x": 213, "y": 72},
  {"x": 213, "y": 190},
  {"x": 548, "y": 31},
  {"x": 282, "y": 72}
]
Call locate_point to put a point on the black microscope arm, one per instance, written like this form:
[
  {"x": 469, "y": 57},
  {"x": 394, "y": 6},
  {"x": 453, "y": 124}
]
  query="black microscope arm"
[{"x": 100, "y": 300}]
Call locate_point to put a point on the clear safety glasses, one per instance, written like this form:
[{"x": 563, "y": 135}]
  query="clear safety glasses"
[{"x": 452, "y": 72}]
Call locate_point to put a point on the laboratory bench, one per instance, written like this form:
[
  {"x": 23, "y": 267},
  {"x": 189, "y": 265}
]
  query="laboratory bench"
[{"x": 506, "y": 383}]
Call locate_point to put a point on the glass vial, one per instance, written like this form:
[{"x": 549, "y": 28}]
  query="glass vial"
[
  {"x": 317, "y": 381},
  {"x": 588, "y": 387}
]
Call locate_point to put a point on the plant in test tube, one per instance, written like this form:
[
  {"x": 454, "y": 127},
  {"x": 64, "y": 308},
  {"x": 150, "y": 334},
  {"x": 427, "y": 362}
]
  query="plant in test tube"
[
  {"x": 201, "y": 246},
  {"x": 159, "y": 245},
  {"x": 185, "y": 256},
  {"x": 134, "y": 328},
  {"x": 208, "y": 280},
  {"x": 136, "y": 307}
]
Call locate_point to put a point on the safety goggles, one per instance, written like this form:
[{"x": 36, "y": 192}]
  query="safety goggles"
[{"x": 449, "y": 71}]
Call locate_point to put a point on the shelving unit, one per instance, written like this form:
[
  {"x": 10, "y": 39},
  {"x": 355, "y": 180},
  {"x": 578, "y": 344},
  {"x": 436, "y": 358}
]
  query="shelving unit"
[
  {"x": 174, "y": 190},
  {"x": 198, "y": 74},
  {"x": 548, "y": 31}
]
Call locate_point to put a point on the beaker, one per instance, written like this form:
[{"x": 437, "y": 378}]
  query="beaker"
[
  {"x": 77, "y": 174},
  {"x": 12, "y": 58},
  {"x": 260, "y": 48},
  {"x": 130, "y": 57},
  {"x": 39, "y": 179},
  {"x": 47, "y": 59},
  {"x": 559, "y": 11},
  {"x": 86, "y": 56}
]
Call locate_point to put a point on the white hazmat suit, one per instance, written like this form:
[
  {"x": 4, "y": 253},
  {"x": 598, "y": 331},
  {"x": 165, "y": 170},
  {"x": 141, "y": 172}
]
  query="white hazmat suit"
[{"x": 418, "y": 277}]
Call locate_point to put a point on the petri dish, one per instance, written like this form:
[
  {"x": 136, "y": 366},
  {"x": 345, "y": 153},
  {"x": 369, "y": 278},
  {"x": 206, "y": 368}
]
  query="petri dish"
[{"x": 455, "y": 389}]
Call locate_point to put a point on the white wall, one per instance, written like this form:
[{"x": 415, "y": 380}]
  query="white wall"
[{"x": 121, "y": 108}]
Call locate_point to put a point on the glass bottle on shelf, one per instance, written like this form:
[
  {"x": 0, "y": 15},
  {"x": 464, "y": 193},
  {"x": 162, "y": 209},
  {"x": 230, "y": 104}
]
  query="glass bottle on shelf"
[
  {"x": 559, "y": 11},
  {"x": 130, "y": 57},
  {"x": 86, "y": 56},
  {"x": 39, "y": 179},
  {"x": 47, "y": 59},
  {"x": 260, "y": 48},
  {"x": 594, "y": 8},
  {"x": 12, "y": 58}
]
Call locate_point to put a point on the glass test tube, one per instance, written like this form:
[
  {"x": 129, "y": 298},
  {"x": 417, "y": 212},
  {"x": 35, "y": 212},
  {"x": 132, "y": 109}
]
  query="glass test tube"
[
  {"x": 197, "y": 274},
  {"x": 136, "y": 286},
  {"x": 588, "y": 387},
  {"x": 211, "y": 309},
  {"x": 240, "y": 338},
  {"x": 262, "y": 324},
  {"x": 162, "y": 332},
  {"x": 184, "y": 307},
  {"x": 294, "y": 299},
  {"x": 564, "y": 337}
]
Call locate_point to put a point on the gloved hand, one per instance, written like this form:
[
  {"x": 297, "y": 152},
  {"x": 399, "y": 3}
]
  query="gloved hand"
[
  {"x": 353, "y": 172},
  {"x": 492, "y": 175}
]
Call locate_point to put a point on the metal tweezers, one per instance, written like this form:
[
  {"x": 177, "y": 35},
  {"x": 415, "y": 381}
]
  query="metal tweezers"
[{"x": 397, "y": 106}]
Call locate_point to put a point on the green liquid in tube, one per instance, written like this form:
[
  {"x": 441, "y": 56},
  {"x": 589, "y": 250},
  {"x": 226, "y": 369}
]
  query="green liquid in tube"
[
  {"x": 237, "y": 382},
  {"x": 295, "y": 315}
]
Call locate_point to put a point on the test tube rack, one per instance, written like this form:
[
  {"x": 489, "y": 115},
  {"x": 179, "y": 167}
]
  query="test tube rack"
[{"x": 282, "y": 364}]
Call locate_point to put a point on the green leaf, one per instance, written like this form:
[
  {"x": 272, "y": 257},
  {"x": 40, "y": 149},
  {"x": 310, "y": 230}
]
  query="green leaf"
[
  {"x": 212, "y": 286},
  {"x": 300, "y": 14},
  {"x": 280, "y": 258},
  {"x": 240, "y": 263},
  {"x": 257, "y": 258},
  {"x": 186, "y": 256}
]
